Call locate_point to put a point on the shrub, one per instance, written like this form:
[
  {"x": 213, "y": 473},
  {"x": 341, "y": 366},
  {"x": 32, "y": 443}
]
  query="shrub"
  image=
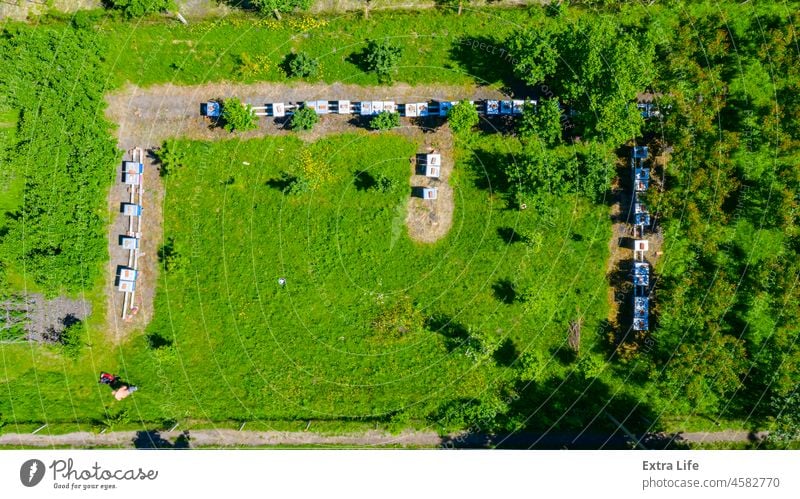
[
  {"x": 301, "y": 65},
  {"x": 382, "y": 58},
  {"x": 237, "y": 116},
  {"x": 385, "y": 120},
  {"x": 304, "y": 119},
  {"x": 170, "y": 157},
  {"x": 139, "y": 8},
  {"x": 384, "y": 183},
  {"x": 462, "y": 117},
  {"x": 71, "y": 340},
  {"x": 277, "y": 6}
]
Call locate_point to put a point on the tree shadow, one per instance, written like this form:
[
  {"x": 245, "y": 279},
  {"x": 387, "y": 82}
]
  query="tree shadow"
[
  {"x": 504, "y": 291},
  {"x": 454, "y": 334},
  {"x": 152, "y": 439},
  {"x": 428, "y": 124},
  {"x": 364, "y": 181},
  {"x": 167, "y": 254},
  {"x": 489, "y": 170},
  {"x": 156, "y": 341},
  {"x": 509, "y": 235},
  {"x": 507, "y": 354},
  {"x": 485, "y": 59},
  {"x": 559, "y": 413},
  {"x": 69, "y": 320},
  {"x": 359, "y": 59},
  {"x": 283, "y": 183},
  {"x": 359, "y": 121}
]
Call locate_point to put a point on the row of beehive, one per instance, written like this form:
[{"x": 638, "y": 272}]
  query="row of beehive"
[
  {"x": 489, "y": 107},
  {"x": 641, "y": 269},
  {"x": 132, "y": 172}
]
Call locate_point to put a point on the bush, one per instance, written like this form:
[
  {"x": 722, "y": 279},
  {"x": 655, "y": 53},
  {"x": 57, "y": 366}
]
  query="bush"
[
  {"x": 170, "y": 157},
  {"x": 139, "y": 8},
  {"x": 300, "y": 65},
  {"x": 304, "y": 119},
  {"x": 275, "y": 6},
  {"x": 385, "y": 120},
  {"x": 384, "y": 184},
  {"x": 462, "y": 117},
  {"x": 71, "y": 340},
  {"x": 237, "y": 116},
  {"x": 382, "y": 58}
]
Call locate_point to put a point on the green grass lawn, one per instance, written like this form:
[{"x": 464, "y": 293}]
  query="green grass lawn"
[
  {"x": 231, "y": 344},
  {"x": 437, "y": 47}
]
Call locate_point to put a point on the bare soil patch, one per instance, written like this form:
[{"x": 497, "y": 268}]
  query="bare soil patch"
[
  {"x": 430, "y": 220},
  {"x": 47, "y": 319},
  {"x": 19, "y": 10}
]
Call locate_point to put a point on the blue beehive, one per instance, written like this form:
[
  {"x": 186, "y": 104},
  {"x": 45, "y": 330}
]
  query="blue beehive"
[
  {"x": 641, "y": 274},
  {"x": 642, "y": 218},
  {"x": 211, "y": 109}
]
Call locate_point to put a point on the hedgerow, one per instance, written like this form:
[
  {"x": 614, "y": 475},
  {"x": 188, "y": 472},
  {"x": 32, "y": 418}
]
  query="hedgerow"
[{"x": 63, "y": 152}]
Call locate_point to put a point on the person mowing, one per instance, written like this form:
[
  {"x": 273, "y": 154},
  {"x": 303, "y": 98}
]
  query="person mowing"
[{"x": 119, "y": 389}]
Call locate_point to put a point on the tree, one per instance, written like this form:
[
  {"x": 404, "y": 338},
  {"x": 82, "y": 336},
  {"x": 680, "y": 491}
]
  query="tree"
[
  {"x": 543, "y": 121},
  {"x": 304, "y": 119},
  {"x": 385, "y": 120},
  {"x": 542, "y": 170},
  {"x": 237, "y": 116},
  {"x": 275, "y": 7},
  {"x": 594, "y": 66},
  {"x": 382, "y": 57},
  {"x": 705, "y": 373},
  {"x": 462, "y": 117},
  {"x": 301, "y": 65},
  {"x": 787, "y": 419},
  {"x": 595, "y": 171},
  {"x": 139, "y": 8},
  {"x": 535, "y": 53}
]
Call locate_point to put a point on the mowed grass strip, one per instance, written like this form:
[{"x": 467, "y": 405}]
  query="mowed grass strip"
[{"x": 437, "y": 47}]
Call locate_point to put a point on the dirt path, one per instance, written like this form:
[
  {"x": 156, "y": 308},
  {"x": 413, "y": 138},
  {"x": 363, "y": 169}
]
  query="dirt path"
[
  {"x": 430, "y": 220},
  {"x": 147, "y": 116},
  {"x": 721, "y": 436},
  {"x": 224, "y": 438},
  {"x": 415, "y": 439},
  {"x": 148, "y": 256}
]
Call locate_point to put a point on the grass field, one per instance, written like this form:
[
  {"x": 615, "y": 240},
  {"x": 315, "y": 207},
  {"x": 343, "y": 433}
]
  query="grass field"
[
  {"x": 437, "y": 47},
  {"x": 228, "y": 343}
]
